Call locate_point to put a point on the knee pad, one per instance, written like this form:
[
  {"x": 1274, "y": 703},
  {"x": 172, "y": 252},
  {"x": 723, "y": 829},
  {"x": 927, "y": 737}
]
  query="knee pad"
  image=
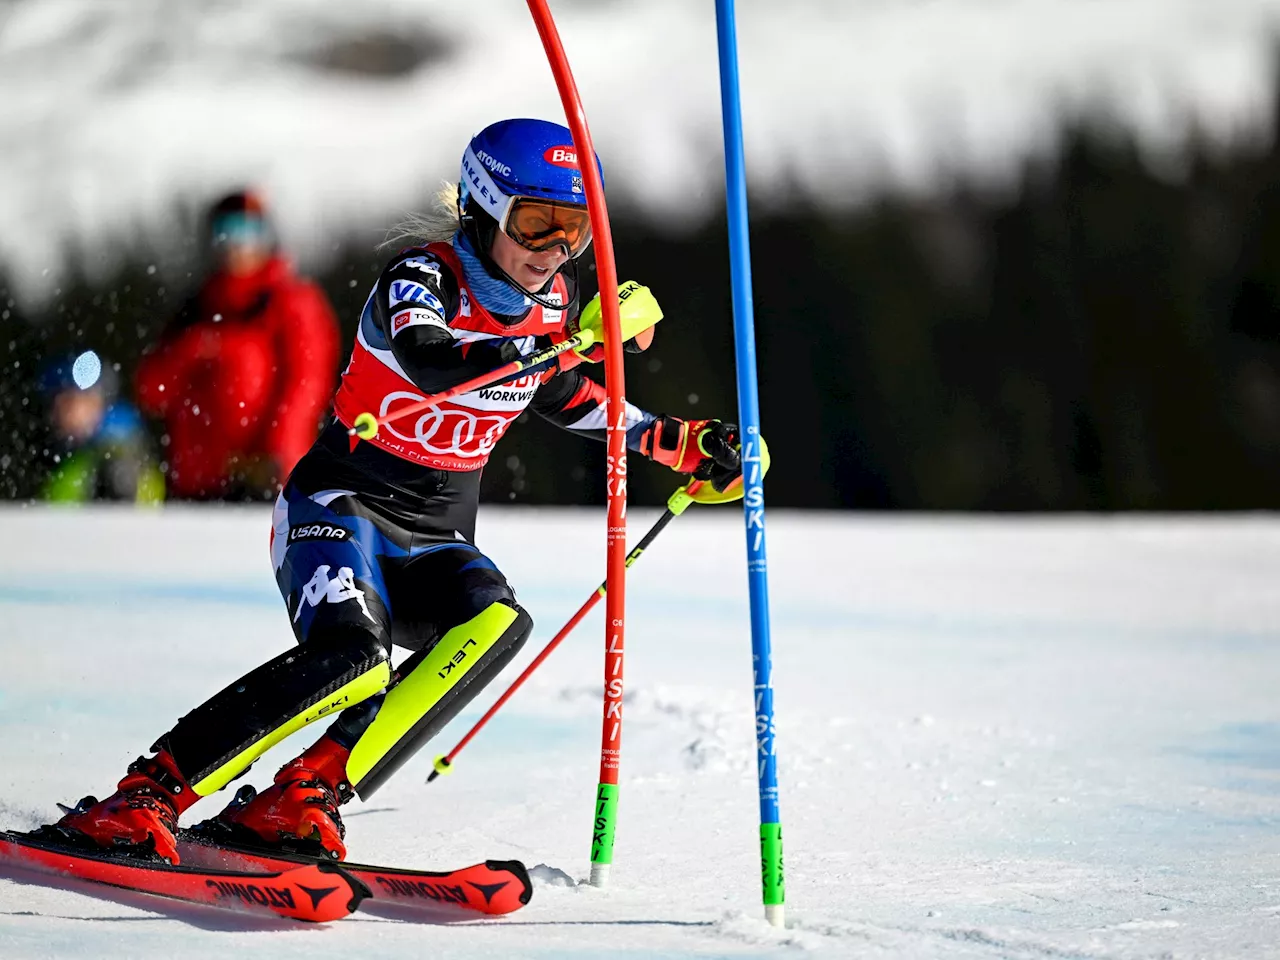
[
  {"x": 434, "y": 686},
  {"x": 221, "y": 738}
]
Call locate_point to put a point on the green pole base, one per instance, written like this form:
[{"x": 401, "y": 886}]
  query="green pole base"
[
  {"x": 602, "y": 832},
  {"x": 771, "y": 874}
]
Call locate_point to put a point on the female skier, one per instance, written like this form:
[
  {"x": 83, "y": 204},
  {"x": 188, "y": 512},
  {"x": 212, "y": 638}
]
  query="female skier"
[{"x": 373, "y": 541}]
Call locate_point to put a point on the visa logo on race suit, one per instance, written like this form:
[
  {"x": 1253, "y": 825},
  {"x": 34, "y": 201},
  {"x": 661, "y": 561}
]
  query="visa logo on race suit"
[{"x": 405, "y": 291}]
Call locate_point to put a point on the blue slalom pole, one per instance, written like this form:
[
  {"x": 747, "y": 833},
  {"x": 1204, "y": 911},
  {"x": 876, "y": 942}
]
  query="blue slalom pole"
[{"x": 753, "y": 468}]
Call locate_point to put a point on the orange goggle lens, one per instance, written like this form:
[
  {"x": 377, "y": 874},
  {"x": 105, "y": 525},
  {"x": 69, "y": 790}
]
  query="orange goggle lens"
[{"x": 541, "y": 224}]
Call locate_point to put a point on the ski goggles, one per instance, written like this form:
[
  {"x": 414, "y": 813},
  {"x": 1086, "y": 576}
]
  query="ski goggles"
[
  {"x": 539, "y": 225},
  {"x": 238, "y": 228}
]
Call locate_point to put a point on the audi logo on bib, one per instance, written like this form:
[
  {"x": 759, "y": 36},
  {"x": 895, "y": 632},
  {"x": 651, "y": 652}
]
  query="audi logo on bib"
[
  {"x": 447, "y": 430},
  {"x": 456, "y": 434}
]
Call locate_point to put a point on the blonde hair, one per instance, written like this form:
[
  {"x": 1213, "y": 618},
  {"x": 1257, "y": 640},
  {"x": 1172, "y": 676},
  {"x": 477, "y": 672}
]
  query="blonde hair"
[{"x": 430, "y": 226}]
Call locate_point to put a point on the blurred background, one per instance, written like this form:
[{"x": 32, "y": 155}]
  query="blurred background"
[{"x": 1021, "y": 255}]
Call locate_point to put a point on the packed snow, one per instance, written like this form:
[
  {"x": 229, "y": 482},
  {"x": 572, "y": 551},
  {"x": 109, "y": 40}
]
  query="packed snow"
[
  {"x": 1026, "y": 738},
  {"x": 117, "y": 114}
]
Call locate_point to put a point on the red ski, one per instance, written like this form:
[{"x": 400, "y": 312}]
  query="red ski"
[
  {"x": 492, "y": 887},
  {"x": 316, "y": 892}
]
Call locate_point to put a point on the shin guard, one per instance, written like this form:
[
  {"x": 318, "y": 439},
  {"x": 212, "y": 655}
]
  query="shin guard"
[
  {"x": 216, "y": 742},
  {"x": 434, "y": 686}
]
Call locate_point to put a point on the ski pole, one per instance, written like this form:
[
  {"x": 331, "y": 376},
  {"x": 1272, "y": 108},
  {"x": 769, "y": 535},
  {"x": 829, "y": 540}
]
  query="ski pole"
[
  {"x": 366, "y": 424},
  {"x": 676, "y": 505}
]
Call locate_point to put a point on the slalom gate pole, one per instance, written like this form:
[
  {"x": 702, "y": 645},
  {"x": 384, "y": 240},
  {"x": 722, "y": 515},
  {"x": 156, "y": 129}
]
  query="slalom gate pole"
[
  {"x": 752, "y": 466},
  {"x": 604, "y": 822},
  {"x": 366, "y": 424},
  {"x": 676, "y": 505}
]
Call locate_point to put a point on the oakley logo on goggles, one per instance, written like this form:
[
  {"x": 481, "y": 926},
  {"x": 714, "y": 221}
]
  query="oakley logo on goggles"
[{"x": 538, "y": 224}]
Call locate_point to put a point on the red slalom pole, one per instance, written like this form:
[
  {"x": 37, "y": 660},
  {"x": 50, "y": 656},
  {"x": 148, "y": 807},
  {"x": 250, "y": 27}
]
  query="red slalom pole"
[{"x": 605, "y": 820}]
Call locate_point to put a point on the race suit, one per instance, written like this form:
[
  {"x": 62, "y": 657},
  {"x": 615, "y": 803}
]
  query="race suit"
[{"x": 373, "y": 542}]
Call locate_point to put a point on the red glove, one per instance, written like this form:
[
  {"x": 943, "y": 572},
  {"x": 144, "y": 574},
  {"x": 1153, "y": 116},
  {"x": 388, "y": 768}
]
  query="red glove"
[{"x": 706, "y": 448}]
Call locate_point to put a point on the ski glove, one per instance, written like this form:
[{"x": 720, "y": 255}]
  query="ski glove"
[
  {"x": 638, "y": 311},
  {"x": 706, "y": 448}
]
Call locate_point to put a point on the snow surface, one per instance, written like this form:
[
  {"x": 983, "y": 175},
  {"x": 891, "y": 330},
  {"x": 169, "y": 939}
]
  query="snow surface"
[
  {"x": 115, "y": 111},
  {"x": 1026, "y": 738}
]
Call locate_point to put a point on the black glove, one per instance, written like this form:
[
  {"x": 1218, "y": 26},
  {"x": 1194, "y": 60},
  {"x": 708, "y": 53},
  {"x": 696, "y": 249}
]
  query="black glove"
[
  {"x": 706, "y": 448},
  {"x": 723, "y": 463}
]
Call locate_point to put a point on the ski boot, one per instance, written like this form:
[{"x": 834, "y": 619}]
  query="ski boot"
[
  {"x": 138, "y": 819},
  {"x": 299, "y": 812}
]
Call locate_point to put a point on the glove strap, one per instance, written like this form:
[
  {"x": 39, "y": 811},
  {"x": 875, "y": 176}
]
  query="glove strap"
[{"x": 673, "y": 443}]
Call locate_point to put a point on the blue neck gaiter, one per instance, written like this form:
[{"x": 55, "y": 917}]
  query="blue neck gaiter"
[{"x": 496, "y": 296}]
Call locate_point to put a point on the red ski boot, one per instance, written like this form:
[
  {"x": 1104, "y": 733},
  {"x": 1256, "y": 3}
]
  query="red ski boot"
[
  {"x": 299, "y": 811},
  {"x": 140, "y": 817}
]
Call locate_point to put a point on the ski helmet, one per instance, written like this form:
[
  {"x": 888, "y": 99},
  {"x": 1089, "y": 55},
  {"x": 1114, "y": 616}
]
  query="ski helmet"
[{"x": 523, "y": 177}]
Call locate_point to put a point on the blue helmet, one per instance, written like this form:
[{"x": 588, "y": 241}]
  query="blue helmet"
[
  {"x": 522, "y": 177},
  {"x": 521, "y": 158}
]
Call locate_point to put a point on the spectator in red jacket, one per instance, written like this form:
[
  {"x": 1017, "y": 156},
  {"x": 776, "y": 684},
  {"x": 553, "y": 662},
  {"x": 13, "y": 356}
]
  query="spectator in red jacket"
[{"x": 245, "y": 371}]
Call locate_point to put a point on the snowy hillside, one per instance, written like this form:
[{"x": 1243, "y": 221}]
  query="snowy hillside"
[
  {"x": 999, "y": 738},
  {"x": 116, "y": 110}
]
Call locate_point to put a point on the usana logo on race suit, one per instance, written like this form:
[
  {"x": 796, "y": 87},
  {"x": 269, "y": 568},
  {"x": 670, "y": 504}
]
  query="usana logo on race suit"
[{"x": 318, "y": 531}]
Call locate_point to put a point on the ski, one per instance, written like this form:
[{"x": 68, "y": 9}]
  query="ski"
[
  {"x": 493, "y": 887},
  {"x": 316, "y": 892}
]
